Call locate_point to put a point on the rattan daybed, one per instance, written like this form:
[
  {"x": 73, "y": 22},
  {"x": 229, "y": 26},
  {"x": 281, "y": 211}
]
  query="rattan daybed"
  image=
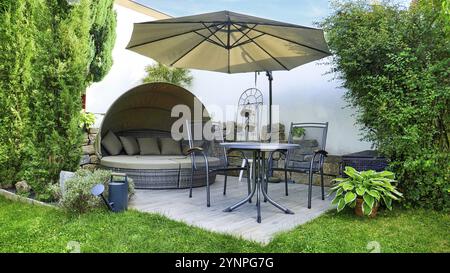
[{"x": 145, "y": 112}]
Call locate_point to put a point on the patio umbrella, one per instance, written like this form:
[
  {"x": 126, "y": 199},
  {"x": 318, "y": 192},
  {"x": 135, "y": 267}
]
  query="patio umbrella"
[{"x": 229, "y": 42}]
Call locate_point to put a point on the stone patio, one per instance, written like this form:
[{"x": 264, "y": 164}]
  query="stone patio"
[{"x": 176, "y": 204}]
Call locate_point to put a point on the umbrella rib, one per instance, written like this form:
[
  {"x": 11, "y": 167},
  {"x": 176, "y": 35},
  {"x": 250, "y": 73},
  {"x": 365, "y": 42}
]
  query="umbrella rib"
[
  {"x": 228, "y": 45},
  {"x": 194, "y": 47},
  {"x": 214, "y": 34},
  {"x": 248, "y": 41},
  {"x": 290, "y": 41},
  {"x": 168, "y": 37},
  {"x": 260, "y": 47},
  {"x": 249, "y": 29},
  {"x": 209, "y": 40}
]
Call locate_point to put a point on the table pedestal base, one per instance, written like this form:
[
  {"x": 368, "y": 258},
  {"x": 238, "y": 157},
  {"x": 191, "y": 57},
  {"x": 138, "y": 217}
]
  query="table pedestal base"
[{"x": 259, "y": 187}]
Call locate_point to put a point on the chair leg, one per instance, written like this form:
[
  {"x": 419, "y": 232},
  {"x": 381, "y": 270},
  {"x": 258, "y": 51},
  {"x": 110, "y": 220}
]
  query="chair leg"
[
  {"x": 249, "y": 186},
  {"x": 225, "y": 184},
  {"x": 265, "y": 184},
  {"x": 192, "y": 182},
  {"x": 310, "y": 188},
  {"x": 241, "y": 172},
  {"x": 321, "y": 184},
  {"x": 285, "y": 183},
  {"x": 208, "y": 194}
]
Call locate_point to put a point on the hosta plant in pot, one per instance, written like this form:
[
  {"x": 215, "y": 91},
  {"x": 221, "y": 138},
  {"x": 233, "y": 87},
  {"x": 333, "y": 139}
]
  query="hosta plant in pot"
[{"x": 364, "y": 191}]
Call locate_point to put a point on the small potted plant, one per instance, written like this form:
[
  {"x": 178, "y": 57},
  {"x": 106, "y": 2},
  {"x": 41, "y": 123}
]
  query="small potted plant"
[
  {"x": 298, "y": 133},
  {"x": 364, "y": 191}
]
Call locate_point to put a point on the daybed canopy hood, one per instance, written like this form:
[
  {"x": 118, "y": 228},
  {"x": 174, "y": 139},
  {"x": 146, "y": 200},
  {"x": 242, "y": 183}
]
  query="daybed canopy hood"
[{"x": 147, "y": 106}]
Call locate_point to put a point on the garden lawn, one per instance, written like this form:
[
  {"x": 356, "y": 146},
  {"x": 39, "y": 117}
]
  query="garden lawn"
[{"x": 28, "y": 228}]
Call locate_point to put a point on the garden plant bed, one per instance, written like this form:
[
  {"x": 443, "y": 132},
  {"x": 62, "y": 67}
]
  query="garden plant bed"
[{"x": 11, "y": 195}]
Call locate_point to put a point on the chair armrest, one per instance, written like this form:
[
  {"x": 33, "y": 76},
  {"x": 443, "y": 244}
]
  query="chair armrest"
[
  {"x": 242, "y": 154},
  {"x": 202, "y": 152},
  {"x": 270, "y": 159},
  {"x": 194, "y": 150},
  {"x": 322, "y": 152},
  {"x": 283, "y": 152}
]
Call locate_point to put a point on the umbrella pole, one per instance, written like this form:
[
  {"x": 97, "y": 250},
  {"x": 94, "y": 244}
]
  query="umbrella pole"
[{"x": 269, "y": 128}]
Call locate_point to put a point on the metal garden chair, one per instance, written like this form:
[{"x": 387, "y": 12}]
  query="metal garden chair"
[
  {"x": 210, "y": 147},
  {"x": 309, "y": 158}
]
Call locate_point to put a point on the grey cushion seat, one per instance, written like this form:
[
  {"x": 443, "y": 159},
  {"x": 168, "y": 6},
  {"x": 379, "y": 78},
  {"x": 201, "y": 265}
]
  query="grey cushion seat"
[{"x": 153, "y": 162}]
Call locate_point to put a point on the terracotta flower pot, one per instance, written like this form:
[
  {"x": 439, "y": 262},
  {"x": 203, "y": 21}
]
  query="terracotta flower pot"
[{"x": 359, "y": 211}]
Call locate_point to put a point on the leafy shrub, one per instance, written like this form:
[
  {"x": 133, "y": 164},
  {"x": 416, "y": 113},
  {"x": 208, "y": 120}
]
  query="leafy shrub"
[
  {"x": 395, "y": 64},
  {"x": 86, "y": 120},
  {"x": 77, "y": 197},
  {"x": 371, "y": 186}
]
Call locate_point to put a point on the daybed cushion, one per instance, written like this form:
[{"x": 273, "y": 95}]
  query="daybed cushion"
[
  {"x": 149, "y": 146},
  {"x": 170, "y": 146},
  {"x": 129, "y": 144},
  {"x": 112, "y": 143},
  {"x": 153, "y": 162},
  {"x": 186, "y": 162}
]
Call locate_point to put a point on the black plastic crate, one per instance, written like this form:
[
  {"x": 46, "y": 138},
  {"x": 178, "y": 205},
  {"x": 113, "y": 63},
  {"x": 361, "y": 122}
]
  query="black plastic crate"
[{"x": 363, "y": 161}]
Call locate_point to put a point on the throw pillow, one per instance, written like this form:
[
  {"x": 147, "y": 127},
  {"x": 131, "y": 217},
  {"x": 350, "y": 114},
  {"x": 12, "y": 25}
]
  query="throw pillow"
[{"x": 112, "y": 144}]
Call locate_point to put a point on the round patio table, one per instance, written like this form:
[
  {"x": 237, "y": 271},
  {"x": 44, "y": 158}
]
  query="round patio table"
[{"x": 259, "y": 172}]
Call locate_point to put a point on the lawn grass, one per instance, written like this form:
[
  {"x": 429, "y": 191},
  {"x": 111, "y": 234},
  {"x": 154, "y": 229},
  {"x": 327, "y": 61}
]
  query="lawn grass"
[{"x": 28, "y": 228}]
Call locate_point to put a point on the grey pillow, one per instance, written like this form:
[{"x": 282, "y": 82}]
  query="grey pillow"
[
  {"x": 112, "y": 143},
  {"x": 130, "y": 145},
  {"x": 170, "y": 147},
  {"x": 148, "y": 146}
]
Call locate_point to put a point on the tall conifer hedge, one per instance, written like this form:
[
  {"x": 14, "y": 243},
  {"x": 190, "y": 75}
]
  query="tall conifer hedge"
[{"x": 50, "y": 51}]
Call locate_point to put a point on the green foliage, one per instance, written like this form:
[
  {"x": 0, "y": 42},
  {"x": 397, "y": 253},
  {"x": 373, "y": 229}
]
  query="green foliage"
[
  {"x": 162, "y": 73},
  {"x": 16, "y": 55},
  {"x": 77, "y": 196},
  {"x": 49, "y": 54},
  {"x": 86, "y": 120},
  {"x": 103, "y": 35},
  {"x": 395, "y": 64},
  {"x": 298, "y": 131},
  {"x": 371, "y": 186}
]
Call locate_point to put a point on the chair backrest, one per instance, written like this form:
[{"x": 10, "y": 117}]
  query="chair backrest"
[
  {"x": 310, "y": 136},
  {"x": 207, "y": 135}
]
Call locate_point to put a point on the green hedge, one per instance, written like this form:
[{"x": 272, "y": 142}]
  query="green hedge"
[
  {"x": 50, "y": 52},
  {"x": 395, "y": 63}
]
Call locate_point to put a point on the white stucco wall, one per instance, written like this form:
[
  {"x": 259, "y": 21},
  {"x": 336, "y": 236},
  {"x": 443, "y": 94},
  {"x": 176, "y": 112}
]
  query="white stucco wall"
[{"x": 304, "y": 94}]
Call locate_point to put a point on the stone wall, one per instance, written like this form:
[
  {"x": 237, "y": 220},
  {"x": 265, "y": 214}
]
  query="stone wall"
[
  {"x": 330, "y": 168},
  {"x": 331, "y": 164},
  {"x": 89, "y": 159}
]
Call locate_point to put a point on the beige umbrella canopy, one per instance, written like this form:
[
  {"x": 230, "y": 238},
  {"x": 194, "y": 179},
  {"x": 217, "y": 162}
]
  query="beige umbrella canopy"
[{"x": 228, "y": 42}]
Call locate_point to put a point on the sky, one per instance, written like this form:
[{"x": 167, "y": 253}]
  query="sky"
[{"x": 302, "y": 12}]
